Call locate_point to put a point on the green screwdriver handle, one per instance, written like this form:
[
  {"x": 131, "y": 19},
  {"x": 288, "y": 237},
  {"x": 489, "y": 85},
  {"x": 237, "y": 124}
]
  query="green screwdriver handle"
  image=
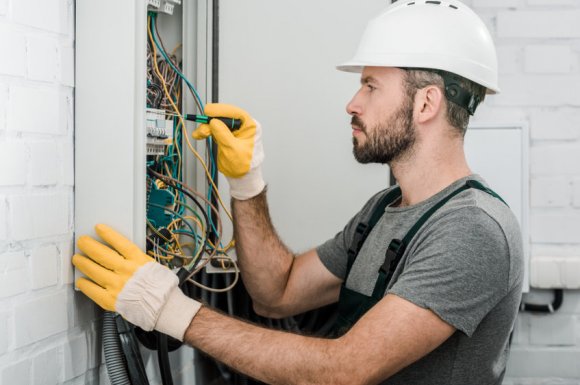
[{"x": 233, "y": 124}]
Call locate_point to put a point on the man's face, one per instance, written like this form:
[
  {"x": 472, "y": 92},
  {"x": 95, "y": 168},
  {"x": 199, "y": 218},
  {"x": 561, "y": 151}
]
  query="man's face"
[{"x": 382, "y": 117}]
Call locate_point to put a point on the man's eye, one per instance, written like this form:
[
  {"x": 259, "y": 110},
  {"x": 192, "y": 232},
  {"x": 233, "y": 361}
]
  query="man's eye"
[{"x": 371, "y": 88}]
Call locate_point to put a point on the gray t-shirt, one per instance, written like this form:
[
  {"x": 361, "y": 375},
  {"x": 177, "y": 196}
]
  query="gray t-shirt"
[{"x": 465, "y": 264}]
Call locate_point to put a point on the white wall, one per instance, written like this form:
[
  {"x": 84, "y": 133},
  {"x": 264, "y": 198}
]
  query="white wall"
[
  {"x": 539, "y": 50},
  {"x": 47, "y": 335}
]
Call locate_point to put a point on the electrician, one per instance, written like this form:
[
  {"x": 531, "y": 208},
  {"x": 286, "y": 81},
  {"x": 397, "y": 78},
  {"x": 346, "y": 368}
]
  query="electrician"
[{"x": 429, "y": 296}]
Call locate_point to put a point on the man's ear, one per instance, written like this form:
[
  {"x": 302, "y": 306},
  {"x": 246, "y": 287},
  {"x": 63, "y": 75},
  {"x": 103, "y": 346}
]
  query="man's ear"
[{"x": 429, "y": 103}]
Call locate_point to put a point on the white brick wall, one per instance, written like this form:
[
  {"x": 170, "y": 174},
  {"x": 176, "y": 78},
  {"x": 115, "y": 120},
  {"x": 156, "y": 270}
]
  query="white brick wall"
[
  {"x": 48, "y": 333},
  {"x": 539, "y": 54},
  {"x": 46, "y": 328}
]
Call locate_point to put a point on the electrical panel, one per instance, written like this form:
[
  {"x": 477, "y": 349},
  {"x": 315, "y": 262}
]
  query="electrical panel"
[{"x": 142, "y": 173}]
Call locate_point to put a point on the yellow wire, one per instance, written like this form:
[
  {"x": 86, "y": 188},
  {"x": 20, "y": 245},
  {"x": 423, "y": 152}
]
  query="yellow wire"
[
  {"x": 197, "y": 221},
  {"x": 185, "y": 133},
  {"x": 164, "y": 257}
]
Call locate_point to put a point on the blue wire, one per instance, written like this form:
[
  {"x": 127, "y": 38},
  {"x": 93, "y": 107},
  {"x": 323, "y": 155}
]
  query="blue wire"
[
  {"x": 176, "y": 214},
  {"x": 194, "y": 91},
  {"x": 160, "y": 48}
]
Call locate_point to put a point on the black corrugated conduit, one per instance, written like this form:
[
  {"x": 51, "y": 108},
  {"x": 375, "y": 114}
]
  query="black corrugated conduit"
[
  {"x": 114, "y": 357},
  {"x": 548, "y": 308}
]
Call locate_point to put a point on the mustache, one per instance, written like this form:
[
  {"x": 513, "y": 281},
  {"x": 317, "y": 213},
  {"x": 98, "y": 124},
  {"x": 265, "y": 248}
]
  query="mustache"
[{"x": 356, "y": 121}]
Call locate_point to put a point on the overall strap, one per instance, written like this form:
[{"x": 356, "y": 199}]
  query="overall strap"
[
  {"x": 397, "y": 247},
  {"x": 363, "y": 229}
]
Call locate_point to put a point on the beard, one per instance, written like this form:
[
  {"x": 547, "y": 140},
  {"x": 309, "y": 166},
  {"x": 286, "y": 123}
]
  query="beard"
[{"x": 388, "y": 141}]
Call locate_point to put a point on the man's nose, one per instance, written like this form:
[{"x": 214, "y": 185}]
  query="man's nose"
[{"x": 354, "y": 107}]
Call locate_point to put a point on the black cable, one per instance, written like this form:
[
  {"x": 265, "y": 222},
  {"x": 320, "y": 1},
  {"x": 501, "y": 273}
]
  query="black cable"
[
  {"x": 215, "y": 93},
  {"x": 549, "y": 308},
  {"x": 132, "y": 353},
  {"x": 163, "y": 357}
]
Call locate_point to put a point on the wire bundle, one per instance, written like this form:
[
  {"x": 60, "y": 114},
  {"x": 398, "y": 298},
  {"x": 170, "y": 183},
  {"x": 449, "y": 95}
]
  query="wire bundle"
[{"x": 194, "y": 230}]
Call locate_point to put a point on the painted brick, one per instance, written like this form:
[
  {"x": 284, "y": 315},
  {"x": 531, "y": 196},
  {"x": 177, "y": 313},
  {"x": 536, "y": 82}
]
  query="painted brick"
[
  {"x": 44, "y": 264},
  {"x": 548, "y": 59},
  {"x": 104, "y": 376},
  {"x": 41, "y": 110},
  {"x": 85, "y": 311},
  {"x": 539, "y": 24},
  {"x": 538, "y": 90},
  {"x": 42, "y": 59},
  {"x": 555, "y": 227},
  {"x": 40, "y": 318},
  {"x": 551, "y": 192},
  {"x": 12, "y": 45},
  {"x": 66, "y": 150},
  {"x": 46, "y": 367},
  {"x": 67, "y": 66},
  {"x": 14, "y": 157},
  {"x": 570, "y": 273},
  {"x": 553, "y": 330},
  {"x": 5, "y": 333},
  {"x": 76, "y": 357},
  {"x": 576, "y": 193},
  {"x": 94, "y": 347},
  {"x": 544, "y": 362},
  {"x": 488, "y": 112},
  {"x": 18, "y": 373},
  {"x": 560, "y": 123},
  {"x": 509, "y": 59},
  {"x": 545, "y": 272},
  {"x": 49, "y": 15},
  {"x": 13, "y": 274},
  {"x": 555, "y": 160},
  {"x": 68, "y": 111},
  {"x": 66, "y": 252},
  {"x": 521, "y": 332},
  {"x": 3, "y": 219},
  {"x": 44, "y": 163},
  {"x": 3, "y": 105},
  {"x": 35, "y": 216}
]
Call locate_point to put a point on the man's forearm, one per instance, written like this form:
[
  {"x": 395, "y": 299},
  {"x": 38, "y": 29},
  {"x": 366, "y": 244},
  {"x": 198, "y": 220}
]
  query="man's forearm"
[
  {"x": 264, "y": 260},
  {"x": 270, "y": 356}
]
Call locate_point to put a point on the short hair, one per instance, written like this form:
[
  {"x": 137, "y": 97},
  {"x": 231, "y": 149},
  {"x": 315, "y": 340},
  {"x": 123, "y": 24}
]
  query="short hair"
[{"x": 457, "y": 116}]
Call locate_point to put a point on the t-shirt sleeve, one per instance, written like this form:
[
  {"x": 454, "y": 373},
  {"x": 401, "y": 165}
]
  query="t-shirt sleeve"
[
  {"x": 458, "y": 268},
  {"x": 333, "y": 252}
]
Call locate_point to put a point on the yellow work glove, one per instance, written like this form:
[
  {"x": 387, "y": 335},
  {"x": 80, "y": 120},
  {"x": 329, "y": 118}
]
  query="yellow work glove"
[
  {"x": 126, "y": 280},
  {"x": 240, "y": 153}
]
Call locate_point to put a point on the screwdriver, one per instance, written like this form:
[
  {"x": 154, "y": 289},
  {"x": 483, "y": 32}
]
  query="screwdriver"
[{"x": 233, "y": 124}]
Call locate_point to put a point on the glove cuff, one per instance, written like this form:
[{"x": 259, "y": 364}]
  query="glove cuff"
[
  {"x": 247, "y": 186},
  {"x": 144, "y": 294},
  {"x": 177, "y": 314}
]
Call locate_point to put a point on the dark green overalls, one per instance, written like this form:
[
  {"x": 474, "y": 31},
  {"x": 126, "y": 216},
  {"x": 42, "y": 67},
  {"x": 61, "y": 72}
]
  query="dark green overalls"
[{"x": 353, "y": 305}]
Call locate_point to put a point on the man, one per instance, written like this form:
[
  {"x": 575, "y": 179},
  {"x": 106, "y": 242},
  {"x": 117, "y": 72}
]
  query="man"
[{"x": 428, "y": 274}]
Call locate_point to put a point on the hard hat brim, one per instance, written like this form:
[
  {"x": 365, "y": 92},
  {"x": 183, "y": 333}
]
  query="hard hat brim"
[{"x": 357, "y": 67}]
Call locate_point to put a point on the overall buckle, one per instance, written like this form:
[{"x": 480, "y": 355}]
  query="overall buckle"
[{"x": 392, "y": 256}]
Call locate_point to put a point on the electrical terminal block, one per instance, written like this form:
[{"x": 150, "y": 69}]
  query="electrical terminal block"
[
  {"x": 159, "y": 131},
  {"x": 167, "y": 7},
  {"x": 153, "y": 4}
]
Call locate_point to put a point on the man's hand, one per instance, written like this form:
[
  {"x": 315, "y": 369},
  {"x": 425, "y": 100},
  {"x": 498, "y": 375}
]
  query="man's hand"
[
  {"x": 240, "y": 153},
  {"x": 126, "y": 280}
]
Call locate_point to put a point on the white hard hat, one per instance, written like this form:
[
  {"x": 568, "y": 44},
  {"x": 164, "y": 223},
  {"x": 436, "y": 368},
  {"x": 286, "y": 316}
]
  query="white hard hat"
[{"x": 443, "y": 35}]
